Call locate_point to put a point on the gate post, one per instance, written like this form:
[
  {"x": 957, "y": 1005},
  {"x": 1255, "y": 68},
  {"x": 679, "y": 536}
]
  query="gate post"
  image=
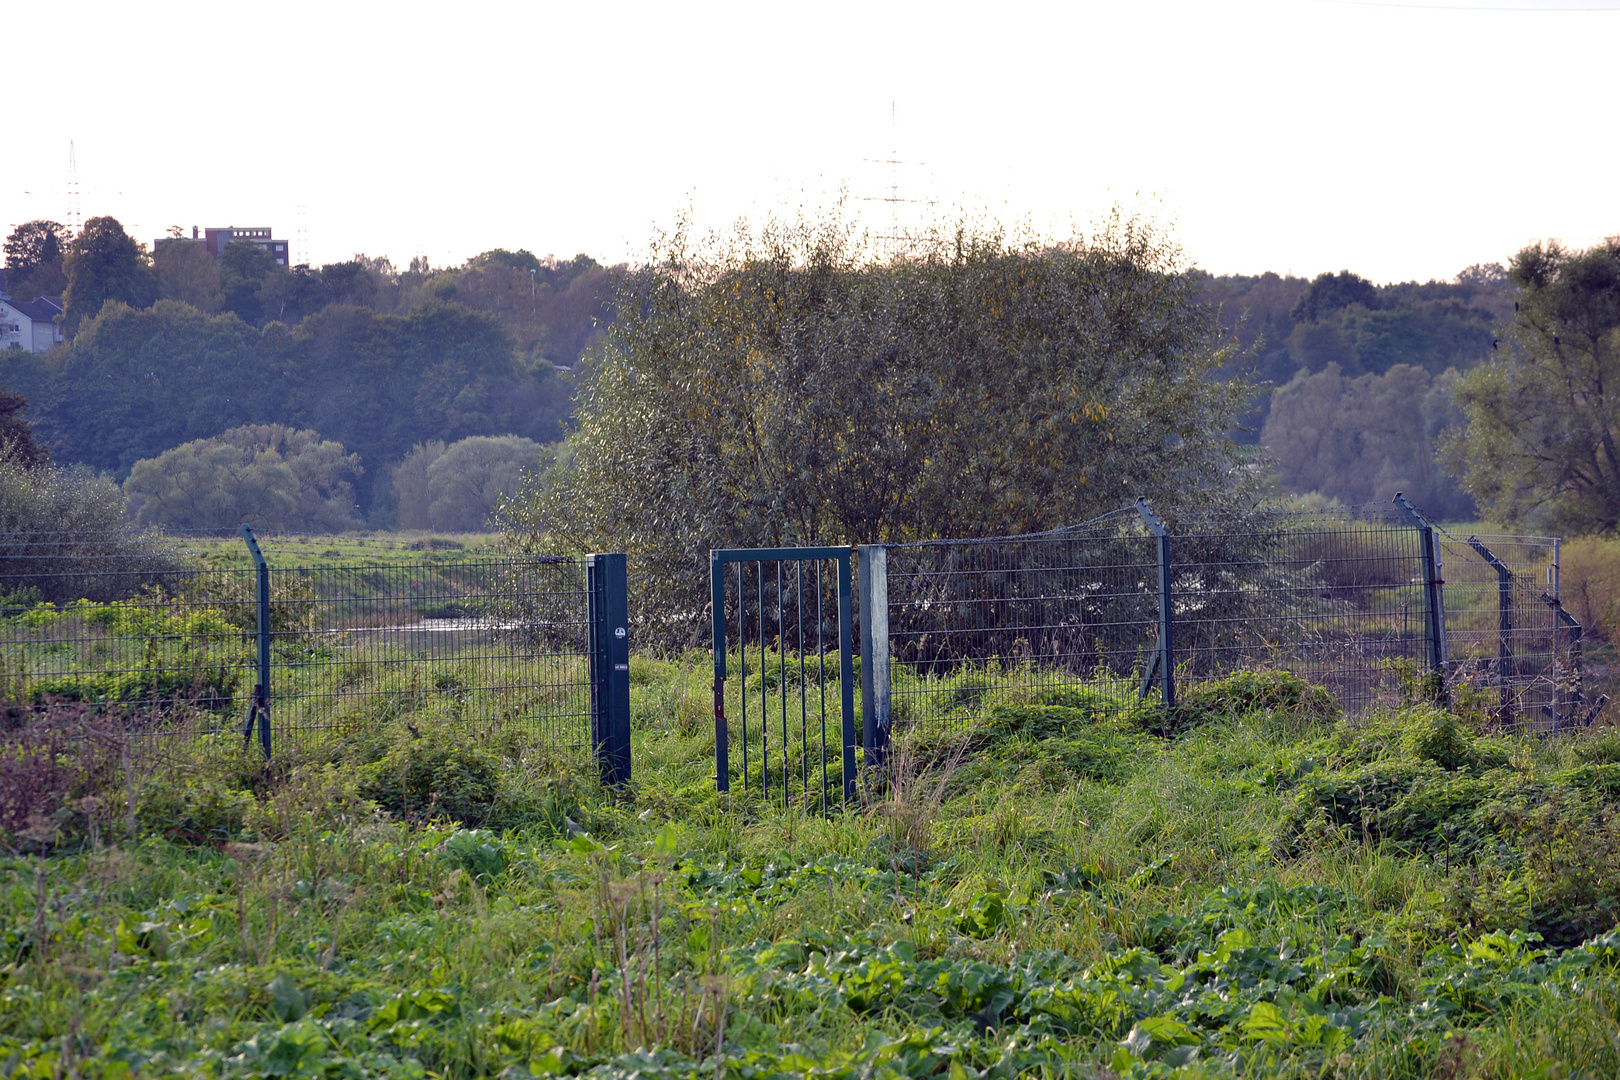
[
  {"x": 260, "y": 709},
  {"x": 608, "y": 613},
  {"x": 1434, "y": 600},
  {"x": 1164, "y": 655},
  {"x": 875, "y": 690}
]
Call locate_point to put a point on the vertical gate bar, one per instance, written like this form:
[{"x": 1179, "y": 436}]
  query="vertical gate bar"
[
  {"x": 804, "y": 711},
  {"x": 1504, "y": 613},
  {"x": 821, "y": 681},
  {"x": 781, "y": 682},
  {"x": 1433, "y": 598},
  {"x": 742, "y": 665},
  {"x": 764, "y": 708},
  {"x": 846, "y": 674},
  {"x": 610, "y": 628},
  {"x": 1166, "y": 652},
  {"x": 717, "y": 624}
]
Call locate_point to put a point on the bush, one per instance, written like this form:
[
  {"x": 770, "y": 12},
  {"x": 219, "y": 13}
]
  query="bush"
[
  {"x": 433, "y": 775},
  {"x": 266, "y": 474},
  {"x": 198, "y": 811},
  {"x": 455, "y": 488},
  {"x": 1589, "y": 584},
  {"x": 44, "y": 767},
  {"x": 1246, "y": 692}
]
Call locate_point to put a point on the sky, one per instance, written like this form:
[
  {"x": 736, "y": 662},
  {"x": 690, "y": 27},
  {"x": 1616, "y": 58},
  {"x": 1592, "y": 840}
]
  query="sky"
[{"x": 1400, "y": 140}]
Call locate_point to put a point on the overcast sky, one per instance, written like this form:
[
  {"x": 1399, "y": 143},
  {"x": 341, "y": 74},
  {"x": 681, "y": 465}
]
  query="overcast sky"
[{"x": 1399, "y": 140}]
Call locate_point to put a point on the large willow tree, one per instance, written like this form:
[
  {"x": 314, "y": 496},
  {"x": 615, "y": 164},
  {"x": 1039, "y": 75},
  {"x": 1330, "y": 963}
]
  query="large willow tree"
[
  {"x": 1542, "y": 446},
  {"x": 790, "y": 386}
]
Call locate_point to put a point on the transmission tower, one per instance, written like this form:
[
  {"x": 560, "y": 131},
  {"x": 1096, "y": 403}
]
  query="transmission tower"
[
  {"x": 74, "y": 223},
  {"x": 301, "y": 240},
  {"x": 895, "y": 237}
]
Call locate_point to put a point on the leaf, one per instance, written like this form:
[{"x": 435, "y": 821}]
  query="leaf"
[
  {"x": 286, "y": 1000},
  {"x": 665, "y": 843}
]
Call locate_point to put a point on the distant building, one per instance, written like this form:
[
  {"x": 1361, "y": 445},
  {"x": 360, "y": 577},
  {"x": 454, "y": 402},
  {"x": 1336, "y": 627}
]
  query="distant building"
[
  {"x": 30, "y": 323},
  {"x": 214, "y": 240}
]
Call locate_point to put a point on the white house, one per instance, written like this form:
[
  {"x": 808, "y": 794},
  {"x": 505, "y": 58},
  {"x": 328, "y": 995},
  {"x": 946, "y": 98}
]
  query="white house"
[{"x": 30, "y": 323}]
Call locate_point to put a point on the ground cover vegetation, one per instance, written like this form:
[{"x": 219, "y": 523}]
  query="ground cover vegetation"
[{"x": 1066, "y": 882}]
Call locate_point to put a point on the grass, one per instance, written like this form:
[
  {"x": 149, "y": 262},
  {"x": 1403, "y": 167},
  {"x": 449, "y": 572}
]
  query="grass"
[
  {"x": 343, "y": 549},
  {"x": 1047, "y": 888}
]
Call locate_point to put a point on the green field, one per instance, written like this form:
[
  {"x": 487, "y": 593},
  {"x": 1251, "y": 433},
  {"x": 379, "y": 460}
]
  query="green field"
[
  {"x": 1071, "y": 884},
  {"x": 343, "y": 549}
]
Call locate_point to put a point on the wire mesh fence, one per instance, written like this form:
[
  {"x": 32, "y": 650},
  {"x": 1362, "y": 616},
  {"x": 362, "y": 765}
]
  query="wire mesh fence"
[
  {"x": 1341, "y": 599},
  {"x": 500, "y": 639},
  {"x": 158, "y": 647}
]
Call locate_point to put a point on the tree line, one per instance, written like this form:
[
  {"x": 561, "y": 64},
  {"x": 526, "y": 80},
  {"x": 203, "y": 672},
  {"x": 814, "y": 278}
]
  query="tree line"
[
  {"x": 977, "y": 384},
  {"x": 180, "y": 346}
]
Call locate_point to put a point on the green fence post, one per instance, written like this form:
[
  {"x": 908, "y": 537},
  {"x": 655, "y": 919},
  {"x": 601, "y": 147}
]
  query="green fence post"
[
  {"x": 1434, "y": 600},
  {"x": 261, "y": 692},
  {"x": 1164, "y": 655},
  {"x": 609, "y": 617}
]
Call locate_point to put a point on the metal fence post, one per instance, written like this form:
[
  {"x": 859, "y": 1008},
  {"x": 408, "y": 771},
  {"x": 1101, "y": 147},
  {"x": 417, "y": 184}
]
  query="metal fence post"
[
  {"x": 1434, "y": 602},
  {"x": 1164, "y": 653},
  {"x": 606, "y": 587},
  {"x": 1504, "y": 621},
  {"x": 722, "y": 736},
  {"x": 875, "y": 689},
  {"x": 260, "y": 709}
]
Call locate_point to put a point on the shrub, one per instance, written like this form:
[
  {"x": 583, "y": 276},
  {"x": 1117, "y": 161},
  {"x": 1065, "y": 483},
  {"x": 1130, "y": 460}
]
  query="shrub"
[
  {"x": 198, "y": 811},
  {"x": 43, "y": 766},
  {"x": 432, "y": 775},
  {"x": 1436, "y": 735},
  {"x": 1589, "y": 584},
  {"x": 1246, "y": 692}
]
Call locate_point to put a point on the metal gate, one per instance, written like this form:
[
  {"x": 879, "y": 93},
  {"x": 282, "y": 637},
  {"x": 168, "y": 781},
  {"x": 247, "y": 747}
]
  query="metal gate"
[{"x": 786, "y": 613}]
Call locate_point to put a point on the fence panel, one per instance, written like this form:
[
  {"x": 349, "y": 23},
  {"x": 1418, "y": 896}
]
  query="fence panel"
[
  {"x": 124, "y": 631},
  {"x": 157, "y": 646},
  {"x": 1342, "y": 598},
  {"x": 501, "y": 639},
  {"x": 968, "y": 619}
]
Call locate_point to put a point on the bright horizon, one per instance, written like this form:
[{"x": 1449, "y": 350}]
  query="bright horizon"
[{"x": 1400, "y": 141}]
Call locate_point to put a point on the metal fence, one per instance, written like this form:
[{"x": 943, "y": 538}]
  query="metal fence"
[
  {"x": 1129, "y": 604},
  {"x": 155, "y": 644},
  {"x": 787, "y": 729}
]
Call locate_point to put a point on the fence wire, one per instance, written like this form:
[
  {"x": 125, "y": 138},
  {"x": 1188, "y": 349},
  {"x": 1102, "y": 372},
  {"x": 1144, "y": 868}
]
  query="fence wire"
[
  {"x": 152, "y": 645},
  {"x": 1338, "y": 598}
]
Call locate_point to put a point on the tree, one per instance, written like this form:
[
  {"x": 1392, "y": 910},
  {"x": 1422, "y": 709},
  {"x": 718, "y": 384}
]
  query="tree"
[
  {"x": 791, "y": 388},
  {"x": 264, "y": 474},
  {"x": 1362, "y": 439},
  {"x": 187, "y": 273},
  {"x": 1334, "y": 292},
  {"x": 1542, "y": 442},
  {"x": 244, "y": 268},
  {"x": 410, "y": 479},
  {"x": 34, "y": 254},
  {"x": 17, "y": 442},
  {"x": 104, "y": 263},
  {"x": 468, "y": 481}
]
